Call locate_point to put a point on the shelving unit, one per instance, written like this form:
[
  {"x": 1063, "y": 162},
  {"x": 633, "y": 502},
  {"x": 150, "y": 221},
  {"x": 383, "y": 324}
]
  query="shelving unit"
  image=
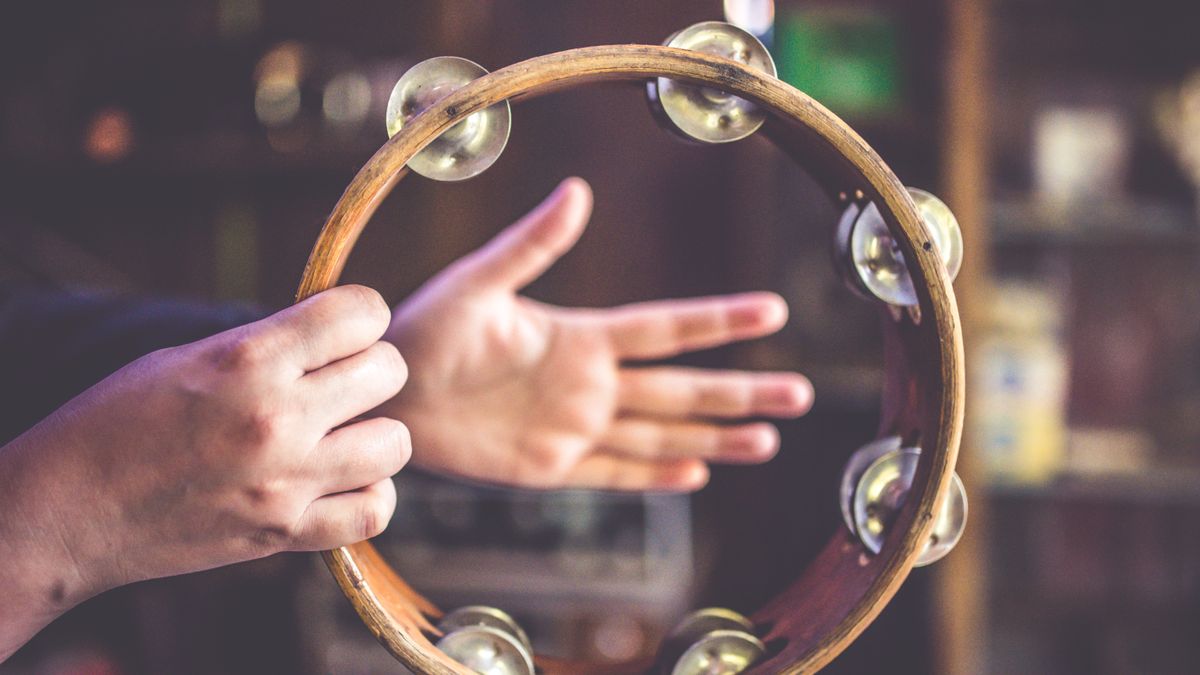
[{"x": 1087, "y": 572}]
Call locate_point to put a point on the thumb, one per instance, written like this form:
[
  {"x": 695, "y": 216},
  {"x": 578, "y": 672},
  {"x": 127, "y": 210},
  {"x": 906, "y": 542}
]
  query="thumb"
[{"x": 526, "y": 249}]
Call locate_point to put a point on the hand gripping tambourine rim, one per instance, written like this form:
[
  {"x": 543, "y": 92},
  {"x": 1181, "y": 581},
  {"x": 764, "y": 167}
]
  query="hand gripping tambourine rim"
[{"x": 844, "y": 588}]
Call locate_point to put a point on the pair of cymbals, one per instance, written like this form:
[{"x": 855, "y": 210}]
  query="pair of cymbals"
[
  {"x": 875, "y": 484},
  {"x": 486, "y": 640}
]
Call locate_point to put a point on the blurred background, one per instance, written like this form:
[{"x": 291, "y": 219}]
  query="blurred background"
[{"x": 193, "y": 149}]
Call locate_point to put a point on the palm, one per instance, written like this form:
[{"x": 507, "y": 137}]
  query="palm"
[{"x": 505, "y": 389}]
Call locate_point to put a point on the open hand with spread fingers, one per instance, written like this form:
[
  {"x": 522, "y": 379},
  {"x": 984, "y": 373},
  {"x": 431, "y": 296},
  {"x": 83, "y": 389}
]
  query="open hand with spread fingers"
[{"x": 504, "y": 389}]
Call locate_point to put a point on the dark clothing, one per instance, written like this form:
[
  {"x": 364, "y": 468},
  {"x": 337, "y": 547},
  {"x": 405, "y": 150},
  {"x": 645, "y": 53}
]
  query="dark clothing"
[{"x": 54, "y": 345}]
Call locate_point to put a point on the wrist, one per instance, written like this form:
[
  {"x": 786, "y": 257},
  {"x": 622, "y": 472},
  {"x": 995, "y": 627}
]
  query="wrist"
[{"x": 42, "y": 575}]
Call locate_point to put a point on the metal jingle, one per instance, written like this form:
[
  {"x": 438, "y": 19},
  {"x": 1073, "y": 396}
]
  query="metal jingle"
[
  {"x": 853, "y": 472},
  {"x": 720, "y": 652},
  {"x": 876, "y": 257},
  {"x": 703, "y": 113},
  {"x": 487, "y": 650},
  {"x": 480, "y": 615},
  {"x": 943, "y": 228},
  {"x": 877, "y": 260},
  {"x": 949, "y": 526},
  {"x": 464, "y": 150},
  {"x": 881, "y": 492},
  {"x": 843, "y": 261},
  {"x": 706, "y": 620},
  {"x": 692, "y": 627}
]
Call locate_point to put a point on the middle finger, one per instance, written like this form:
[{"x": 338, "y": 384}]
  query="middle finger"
[{"x": 726, "y": 394}]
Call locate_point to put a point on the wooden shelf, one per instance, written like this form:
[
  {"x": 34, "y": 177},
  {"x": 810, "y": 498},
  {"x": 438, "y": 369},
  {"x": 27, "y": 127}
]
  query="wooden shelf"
[
  {"x": 1158, "y": 485},
  {"x": 1022, "y": 222}
]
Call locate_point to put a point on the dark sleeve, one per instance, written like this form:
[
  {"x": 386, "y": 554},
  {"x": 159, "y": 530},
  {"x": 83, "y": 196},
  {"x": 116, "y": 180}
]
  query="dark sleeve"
[{"x": 54, "y": 345}]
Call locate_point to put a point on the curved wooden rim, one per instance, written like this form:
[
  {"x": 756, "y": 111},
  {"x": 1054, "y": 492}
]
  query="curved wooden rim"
[{"x": 844, "y": 589}]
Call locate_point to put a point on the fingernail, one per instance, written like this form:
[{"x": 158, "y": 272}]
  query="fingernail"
[
  {"x": 765, "y": 310},
  {"x": 797, "y": 396},
  {"x": 696, "y": 476}
]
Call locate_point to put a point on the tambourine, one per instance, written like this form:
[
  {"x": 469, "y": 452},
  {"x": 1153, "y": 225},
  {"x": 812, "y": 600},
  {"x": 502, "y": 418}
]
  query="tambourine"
[{"x": 902, "y": 502}]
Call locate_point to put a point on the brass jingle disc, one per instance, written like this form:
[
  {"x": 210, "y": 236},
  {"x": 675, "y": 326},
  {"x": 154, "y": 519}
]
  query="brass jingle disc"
[
  {"x": 487, "y": 650},
  {"x": 470, "y": 146},
  {"x": 877, "y": 260},
  {"x": 692, "y": 626},
  {"x": 843, "y": 260},
  {"x": 943, "y": 227},
  {"x": 950, "y": 524},
  {"x": 481, "y": 615},
  {"x": 720, "y": 652},
  {"x": 703, "y": 113},
  {"x": 853, "y": 472},
  {"x": 881, "y": 492},
  {"x": 709, "y": 619}
]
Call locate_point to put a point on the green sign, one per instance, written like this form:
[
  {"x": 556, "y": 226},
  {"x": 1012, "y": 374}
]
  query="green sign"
[{"x": 846, "y": 59}]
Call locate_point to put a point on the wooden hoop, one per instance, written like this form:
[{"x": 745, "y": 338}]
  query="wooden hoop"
[{"x": 844, "y": 588}]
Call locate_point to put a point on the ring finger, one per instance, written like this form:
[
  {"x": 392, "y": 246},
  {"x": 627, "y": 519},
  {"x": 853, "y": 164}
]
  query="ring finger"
[{"x": 647, "y": 438}]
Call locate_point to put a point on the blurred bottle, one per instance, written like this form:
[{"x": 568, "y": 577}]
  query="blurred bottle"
[{"x": 1021, "y": 388}]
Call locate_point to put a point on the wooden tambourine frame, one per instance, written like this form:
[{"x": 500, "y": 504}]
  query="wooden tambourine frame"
[{"x": 832, "y": 601}]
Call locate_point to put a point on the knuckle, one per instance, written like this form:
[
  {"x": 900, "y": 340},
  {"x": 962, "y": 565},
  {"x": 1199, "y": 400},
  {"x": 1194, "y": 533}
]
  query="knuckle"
[
  {"x": 261, "y": 427},
  {"x": 550, "y": 462},
  {"x": 278, "y": 511},
  {"x": 720, "y": 396},
  {"x": 243, "y": 353}
]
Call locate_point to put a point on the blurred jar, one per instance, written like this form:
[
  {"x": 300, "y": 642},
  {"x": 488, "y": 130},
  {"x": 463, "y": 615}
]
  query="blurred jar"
[{"x": 1021, "y": 384}]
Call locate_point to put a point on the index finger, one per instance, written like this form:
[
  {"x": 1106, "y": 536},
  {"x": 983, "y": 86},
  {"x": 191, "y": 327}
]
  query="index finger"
[
  {"x": 665, "y": 328},
  {"x": 327, "y": 327}
]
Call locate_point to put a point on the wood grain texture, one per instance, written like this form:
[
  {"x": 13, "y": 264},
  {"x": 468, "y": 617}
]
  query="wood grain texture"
[{"x": 839, "y": 594}]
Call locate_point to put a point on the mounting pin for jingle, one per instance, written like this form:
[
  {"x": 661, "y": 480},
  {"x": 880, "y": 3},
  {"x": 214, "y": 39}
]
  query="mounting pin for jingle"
[
  {"x": 464, "y": 150},
  {"x": 701, "y": 113}
]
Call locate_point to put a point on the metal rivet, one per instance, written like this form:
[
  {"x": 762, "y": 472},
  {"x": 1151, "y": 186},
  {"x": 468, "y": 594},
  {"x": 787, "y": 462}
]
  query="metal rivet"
[
  {"x": 470, "y": 146},
  {"x": 703, "y": 113}
]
